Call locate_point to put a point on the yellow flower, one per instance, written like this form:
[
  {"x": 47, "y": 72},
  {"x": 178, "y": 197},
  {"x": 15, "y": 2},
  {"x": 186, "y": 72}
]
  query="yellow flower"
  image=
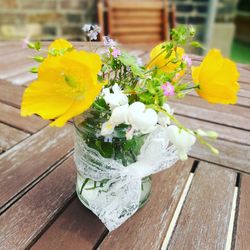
[
  {"x": 60, "y": 44},
  {"x": 217, "y": 78},
  {"x": 158, "y": 58},
  {"x": 66, "y": 86}
]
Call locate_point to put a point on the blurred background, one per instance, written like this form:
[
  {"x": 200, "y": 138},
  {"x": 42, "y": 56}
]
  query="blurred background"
[{"x": 224, "y": 24}]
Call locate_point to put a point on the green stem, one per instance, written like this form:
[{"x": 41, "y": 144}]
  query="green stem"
[
  {"x": 84, "y": 184},
  {"x": 154, "y": 58},
  {"x": 193, "y": 87}
]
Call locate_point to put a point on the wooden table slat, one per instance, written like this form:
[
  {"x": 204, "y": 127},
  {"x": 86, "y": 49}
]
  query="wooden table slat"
[
  {"x": 25, "y": 220},
  {"x": 243, "y": 223},
  {"x": 192, "y": 106},
  {"x": 11, "y": 116},
  {"x": 10, "y": 136},
  {"x": 76, "y": 228},
  {"x": 231, "y": 155},
  {"x": 10, "y": 93},
  {"x": 29, "y": 159},
  {"x": 225, "y": 133},
  {"x": 204, "y": 220},
  {"x": 147, "y": 228}
]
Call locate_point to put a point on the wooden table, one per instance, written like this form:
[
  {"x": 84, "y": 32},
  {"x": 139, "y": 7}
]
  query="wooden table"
[{"x": 203, "y": 203}]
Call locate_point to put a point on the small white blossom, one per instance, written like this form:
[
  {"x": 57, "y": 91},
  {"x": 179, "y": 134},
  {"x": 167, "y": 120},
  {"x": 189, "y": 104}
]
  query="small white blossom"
[
  {"x": 108, "y": 42},
  {"x": 107, "y": 128},
  {"x": 163, "y": 119},
  {"x": 115, "y": 99},
  {"x": 181, "y": 139},
  {"x": 119, "y": 115},
  {"x": 86, "y": 28},
  {"x": 91, "y": 31},
  {"x": 142, "y": 119}
]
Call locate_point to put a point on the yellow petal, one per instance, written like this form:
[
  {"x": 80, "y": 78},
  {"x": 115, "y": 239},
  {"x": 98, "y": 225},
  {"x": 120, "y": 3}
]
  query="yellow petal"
[
  {"x": 211, "y": 65},
  {"x": 158, "y": 58},
  {"x": 195, "y": 74},
  {"x": 217, "y": 78},
  {"x": 44, "y": 99},
  {"x": 76, "y": 108},
  {"x": 60, "y": 44}
]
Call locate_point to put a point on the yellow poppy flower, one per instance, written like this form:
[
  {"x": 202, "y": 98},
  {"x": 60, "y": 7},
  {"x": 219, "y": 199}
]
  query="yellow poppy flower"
[
  {"x": 158, "y": 58},
  {"x": 66, "y": 86},
  {"x": 60, "y": 46},
  {"x": 217, "y": 78}
]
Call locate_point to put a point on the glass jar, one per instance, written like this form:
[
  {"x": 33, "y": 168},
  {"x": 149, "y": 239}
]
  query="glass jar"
[{"x": 117, "y": 147}]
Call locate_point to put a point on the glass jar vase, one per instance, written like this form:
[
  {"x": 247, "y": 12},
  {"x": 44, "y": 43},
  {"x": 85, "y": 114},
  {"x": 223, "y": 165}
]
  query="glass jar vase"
[{"x": 115, "y": 147}]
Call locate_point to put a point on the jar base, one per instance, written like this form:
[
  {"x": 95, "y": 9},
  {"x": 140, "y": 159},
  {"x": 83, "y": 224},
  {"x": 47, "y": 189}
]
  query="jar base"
[{"x": 84, "y": 194}]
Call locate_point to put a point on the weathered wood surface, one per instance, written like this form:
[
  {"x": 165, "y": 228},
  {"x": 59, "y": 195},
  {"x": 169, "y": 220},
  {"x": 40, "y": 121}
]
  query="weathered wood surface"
[
  {"x": 147, "y": 228},
  {"x": 39, "y": 208},
  {"x": 76, "y": 228},
  {"x": 243, "y": 222},
  {"x": 204, "y": 219},
  {"x": 28, "y": 160},
  {"x": 10, "y": 93},
  {"x": 10, "y": 136},
  {"x": 11, "y": 116},
  {"x": 26, "y": 219}
]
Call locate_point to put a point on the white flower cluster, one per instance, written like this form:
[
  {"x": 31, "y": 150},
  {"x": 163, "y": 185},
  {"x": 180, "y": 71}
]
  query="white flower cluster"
[
  {"x": 143, "y": 119},
  {"x": 91, "y": 31}
]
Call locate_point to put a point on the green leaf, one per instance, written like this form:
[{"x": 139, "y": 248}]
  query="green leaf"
[
  {"x": 196, "y": 44},
  {"x": 37, "y": 45},
  {"x": 34, "y": 70},
  {"x": 38, "y": 58}
]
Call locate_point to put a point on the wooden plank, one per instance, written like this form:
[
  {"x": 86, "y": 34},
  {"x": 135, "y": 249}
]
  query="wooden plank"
[
  {"x": 231, "y": 154},
  {"x": 229, "y": 115},
  {"x": 25, "y": 220},
  {"x": 76, "y": 228},
  {"x": 146, "y": 229},
  {"x": 10, "y": 136},
  {"x": 25, "y": 162},
  {"x": 226, "y": 133},
  {"x": 242, "y": 240},
  {"x": 10, "y": 94},
  {"x": 243, "y": 98},
  {"x": 18, "y": 68},
  {"x": 137, "y": 21},
  {"x": 139, "y": 38},
  {"x": 137, "y": 13},
  {"x": 22, "y": 78},
  {"x": 136, "y": 5},
  {"x": 204, "y": 220},
  {"x": 11, "y": 116},
  {"x": 135, "y": 29}
]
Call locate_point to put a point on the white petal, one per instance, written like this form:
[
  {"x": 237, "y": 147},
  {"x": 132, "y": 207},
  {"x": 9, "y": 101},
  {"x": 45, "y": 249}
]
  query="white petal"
[
  {"x": 119, "y": 115},
  {"x": 141, "y": 118},
  {"x": 181, "y": 139},
  {"x": 163, "y": 119},
  {"x": 107, "y": 128}
]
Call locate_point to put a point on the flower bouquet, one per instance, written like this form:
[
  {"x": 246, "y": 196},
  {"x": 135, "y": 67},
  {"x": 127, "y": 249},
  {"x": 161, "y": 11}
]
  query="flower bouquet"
[{"x": 125, "y": 130}]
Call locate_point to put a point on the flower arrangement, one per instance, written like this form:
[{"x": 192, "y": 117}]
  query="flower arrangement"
[{"x": 127, "y": 120}]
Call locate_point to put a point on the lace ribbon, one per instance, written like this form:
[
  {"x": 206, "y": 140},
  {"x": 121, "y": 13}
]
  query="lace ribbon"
[{"x": 119, "y": 198}]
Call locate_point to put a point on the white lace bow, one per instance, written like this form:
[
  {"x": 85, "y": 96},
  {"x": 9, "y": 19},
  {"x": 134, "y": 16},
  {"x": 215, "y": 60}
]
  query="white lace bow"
[{"x": 119, "y": 198}]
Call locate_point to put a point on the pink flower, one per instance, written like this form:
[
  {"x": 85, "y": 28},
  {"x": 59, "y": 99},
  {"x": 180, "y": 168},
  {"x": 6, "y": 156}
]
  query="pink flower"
[
  {"x": 116, "y": 52},
  {"x": 25, "y": 42},
  {"x": 168, "y": 89},
  {"x": 187, "y": 59}
]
